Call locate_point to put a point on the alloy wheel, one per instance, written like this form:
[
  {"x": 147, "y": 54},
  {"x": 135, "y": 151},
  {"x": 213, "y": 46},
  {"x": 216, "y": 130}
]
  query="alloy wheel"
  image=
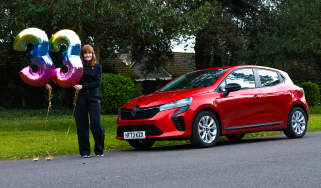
[
  {"x": 207, "y": 129},
  {"x": 298, "y": 122}
]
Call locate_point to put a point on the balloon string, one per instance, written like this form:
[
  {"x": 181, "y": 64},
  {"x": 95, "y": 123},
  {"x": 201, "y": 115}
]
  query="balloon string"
[
  {"x": 49, "y": 103},
  {"x": 73, "y": 111},
  {"x": 75, "y": 102},
  {"x": 44, "y": 135}
]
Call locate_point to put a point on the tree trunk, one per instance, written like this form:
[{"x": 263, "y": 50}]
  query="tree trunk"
[
  {"x": 217, "y": 60},
  {"x": 97, "y": 48},
  {"x": 206, "y": 56},
  {"x": 202, "y": 52}
]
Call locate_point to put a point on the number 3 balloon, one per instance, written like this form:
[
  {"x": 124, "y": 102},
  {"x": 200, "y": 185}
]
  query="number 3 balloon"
[
  {"x": 39, "y": 56},
  {"x": 71, "y": 57}
]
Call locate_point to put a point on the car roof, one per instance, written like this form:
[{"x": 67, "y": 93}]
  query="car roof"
[{"x": 242, "y": 66}]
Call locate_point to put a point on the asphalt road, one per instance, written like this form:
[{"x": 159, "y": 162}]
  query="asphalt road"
[{"x": 264, "y": 162}]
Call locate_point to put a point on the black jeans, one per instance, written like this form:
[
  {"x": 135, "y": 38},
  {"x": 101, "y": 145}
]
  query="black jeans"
[{"x": 87, "y": 113}]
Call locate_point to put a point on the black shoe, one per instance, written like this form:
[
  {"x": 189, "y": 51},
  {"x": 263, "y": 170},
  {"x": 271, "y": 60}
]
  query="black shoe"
[
  {"x": 85, "y": 156},
  {"x": 99, "y": 155}
]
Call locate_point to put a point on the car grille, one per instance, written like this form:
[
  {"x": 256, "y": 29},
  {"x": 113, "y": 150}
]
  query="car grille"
[
  {"x": 141, "y": 113},
  {"x": 150, "y": 130}
]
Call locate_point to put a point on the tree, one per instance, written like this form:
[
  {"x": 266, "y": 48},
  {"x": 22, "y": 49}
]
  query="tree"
[
  {"x": 110, "y": 25},
  {"x": 279, "y": 33},
  {"x": 291, "y": 39},
  {"x": 143, "y": 28},
  {"x": 291, "y": 31},
  {"x": 224, "y": 41}
]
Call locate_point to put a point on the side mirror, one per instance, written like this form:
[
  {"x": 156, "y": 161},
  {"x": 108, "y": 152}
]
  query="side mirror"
[{"x": 231, "y": 87}]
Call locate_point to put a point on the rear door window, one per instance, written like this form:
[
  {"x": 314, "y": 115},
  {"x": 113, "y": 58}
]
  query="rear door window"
[{"x": 268, "y": 77}]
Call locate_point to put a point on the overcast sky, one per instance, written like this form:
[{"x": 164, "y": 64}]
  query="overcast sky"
[{"x": 181, "y": 47}]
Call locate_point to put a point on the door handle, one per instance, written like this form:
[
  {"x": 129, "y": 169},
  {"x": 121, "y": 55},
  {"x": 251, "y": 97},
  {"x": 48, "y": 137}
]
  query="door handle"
[{"x": 256, "y": 97}]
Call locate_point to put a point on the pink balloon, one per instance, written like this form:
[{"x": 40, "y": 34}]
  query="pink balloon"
[
  {"x": 71, "y": 58},
  {"x": 42, "y": 76},
  {"x": 74, "y": 74}
]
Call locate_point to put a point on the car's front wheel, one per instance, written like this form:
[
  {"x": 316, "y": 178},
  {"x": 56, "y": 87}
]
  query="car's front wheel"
[
  {"x": 141, "y": 144},
  {"x": 206, "y": 129},
  {"x": 297, "y": 123}
]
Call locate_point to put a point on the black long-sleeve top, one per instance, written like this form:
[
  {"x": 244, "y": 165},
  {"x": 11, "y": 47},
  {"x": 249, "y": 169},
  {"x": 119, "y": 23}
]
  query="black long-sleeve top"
[{"x": 91, "y": 79}]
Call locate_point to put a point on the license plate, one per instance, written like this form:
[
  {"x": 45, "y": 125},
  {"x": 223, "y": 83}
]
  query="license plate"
[{"x": 134, "y": 135}]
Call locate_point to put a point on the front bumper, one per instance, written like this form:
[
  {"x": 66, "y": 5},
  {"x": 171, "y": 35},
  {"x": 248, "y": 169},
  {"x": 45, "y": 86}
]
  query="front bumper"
[{"x": 167, "y": 124}]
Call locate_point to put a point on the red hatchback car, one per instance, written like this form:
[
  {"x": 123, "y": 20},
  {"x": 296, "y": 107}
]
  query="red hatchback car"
[{"x": 223, "y": 101}]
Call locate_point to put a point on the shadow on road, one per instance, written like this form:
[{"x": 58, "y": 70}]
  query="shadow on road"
[{"x": 218, "y": 144}]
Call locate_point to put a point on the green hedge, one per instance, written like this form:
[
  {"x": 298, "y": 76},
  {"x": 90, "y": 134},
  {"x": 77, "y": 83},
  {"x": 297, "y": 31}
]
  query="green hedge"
[
  {"x": 312, "y": 92},
  {"x": 115, "y": 90}
]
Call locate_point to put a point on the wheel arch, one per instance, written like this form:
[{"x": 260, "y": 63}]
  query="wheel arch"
[
  {"x": 300, "y": 106},
  {"x": 206, "y": 108}
]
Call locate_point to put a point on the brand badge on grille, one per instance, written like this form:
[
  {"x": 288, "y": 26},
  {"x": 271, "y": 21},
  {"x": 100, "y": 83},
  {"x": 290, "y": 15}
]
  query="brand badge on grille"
[{"x": 134, "y": 111}]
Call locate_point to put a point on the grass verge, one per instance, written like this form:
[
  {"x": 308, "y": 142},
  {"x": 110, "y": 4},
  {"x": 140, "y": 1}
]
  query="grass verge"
[{"x": 27, "y": 133}]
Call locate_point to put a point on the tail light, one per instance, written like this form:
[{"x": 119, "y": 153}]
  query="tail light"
[{"x": 302, "y": 90}]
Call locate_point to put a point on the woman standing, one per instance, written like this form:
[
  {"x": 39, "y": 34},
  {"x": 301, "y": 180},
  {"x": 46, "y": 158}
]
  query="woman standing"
[{"x": 87, "y": 112}]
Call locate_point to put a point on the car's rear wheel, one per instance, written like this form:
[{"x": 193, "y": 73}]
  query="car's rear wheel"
[
  {"x": 141, "y": 144},
  {"x": 235, "y": 137},
  {"x": 206, "y": 129},
  {"x": 297, "y": 123}
]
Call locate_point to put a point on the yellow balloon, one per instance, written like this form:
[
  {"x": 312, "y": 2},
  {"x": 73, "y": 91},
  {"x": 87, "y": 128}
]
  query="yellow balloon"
[
  {"x": 29, "y": 36},
  {"x": 63, "y": 37}
]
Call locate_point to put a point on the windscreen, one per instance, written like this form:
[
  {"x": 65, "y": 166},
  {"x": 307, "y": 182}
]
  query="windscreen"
[{"x": 196, "y": 79}]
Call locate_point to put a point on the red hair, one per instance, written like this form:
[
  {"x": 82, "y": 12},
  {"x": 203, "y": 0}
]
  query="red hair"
[{"x": 88, "y": 49}]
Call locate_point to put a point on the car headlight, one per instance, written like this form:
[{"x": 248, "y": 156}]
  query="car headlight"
[{"x": 176, "y": 104}]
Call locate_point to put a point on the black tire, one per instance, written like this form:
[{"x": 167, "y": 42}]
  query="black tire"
[
  {"x": 235, "y": 137},
  {"x": 296, "y": 125},
  {"x": 141, "y": 144},
  {"x": 210, "y": 134}
]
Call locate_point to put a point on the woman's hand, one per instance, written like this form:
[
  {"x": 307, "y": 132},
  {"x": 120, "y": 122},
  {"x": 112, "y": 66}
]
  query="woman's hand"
[
  {"x": 48, "y": 87},
  {"x": 78, "y": 87}
]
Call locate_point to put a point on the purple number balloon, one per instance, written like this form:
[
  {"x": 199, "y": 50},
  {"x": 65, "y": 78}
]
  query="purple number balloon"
[
  {"x": 71, "y": 58},
  {"x": 39, "y": 56}
]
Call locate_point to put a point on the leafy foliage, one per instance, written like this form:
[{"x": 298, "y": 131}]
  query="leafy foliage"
[
  {"x": 284, "y": 34},
  {"x": 277, "y": 33},
  {"x": 290, "y": 32},
  {"x": 115, "y": 91},
  {"x": 312, "y": 92},
  {"x": 143, "y": 29},
  {"x": 225, "y": 39}
]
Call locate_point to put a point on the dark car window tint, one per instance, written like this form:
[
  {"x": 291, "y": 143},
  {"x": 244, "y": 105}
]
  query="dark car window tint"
[
  {"x": 197, "y": 79},
  {"x": 268, "y": 78},
  {"x": 244, "y": 77}
]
